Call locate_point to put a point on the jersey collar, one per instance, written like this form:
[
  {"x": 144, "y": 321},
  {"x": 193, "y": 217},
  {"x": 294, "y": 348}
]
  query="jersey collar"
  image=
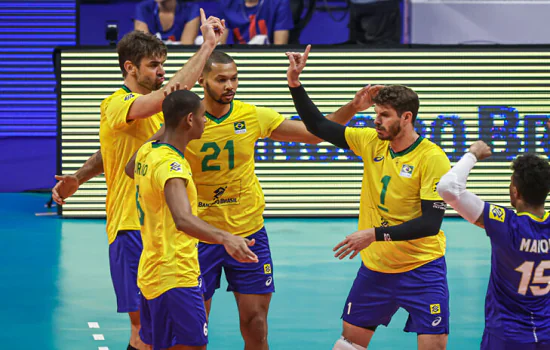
[
  {"x": 157, "y": 144},
  {"x": 534, "y": 217},
  {"x": 222, "y": 118},
  {"x": 127, "y": 89},
  {"x": 408, "y": 149}
]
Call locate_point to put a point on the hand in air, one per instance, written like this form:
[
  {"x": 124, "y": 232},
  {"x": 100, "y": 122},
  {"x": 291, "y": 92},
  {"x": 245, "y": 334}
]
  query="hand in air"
[
  {"x": 237, "y": 247},
  {"x": 364, "y": 98},
  {"x": 168, "y": 89},
  {"x": 212, "y": 28},
  {"x": 66, "y": 187},
  {"x": 297, "y": 63},
  {"x": 481, "y": 150},
  {"x": 355, "y": 243}
]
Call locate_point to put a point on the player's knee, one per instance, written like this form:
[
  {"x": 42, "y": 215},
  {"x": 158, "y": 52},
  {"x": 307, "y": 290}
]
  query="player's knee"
[
  {"x": 345, "y": 344},
  {"x": 256, "y": 327}
]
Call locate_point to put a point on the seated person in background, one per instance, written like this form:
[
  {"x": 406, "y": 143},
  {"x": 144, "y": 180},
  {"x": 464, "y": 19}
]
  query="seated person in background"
[
  {"x": 257, "y": 21},
  {"x": 172, "y": 21}
]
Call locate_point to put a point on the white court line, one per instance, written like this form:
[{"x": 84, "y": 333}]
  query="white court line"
[
  {"x": 103, "y": 348},
  {"x": 98, "y": 337},
  {"x": 93, "y": 324}
]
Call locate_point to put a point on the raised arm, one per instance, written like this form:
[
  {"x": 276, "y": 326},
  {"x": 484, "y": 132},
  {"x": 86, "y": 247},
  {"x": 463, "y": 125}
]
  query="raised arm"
[
  {"x": 178, "y": 202},
  {"x": 68, "y": 184},
  {"x": 452, "y": 186},
  {"x": 150, "y": 104},
  {"x": 330, "y": 128}
]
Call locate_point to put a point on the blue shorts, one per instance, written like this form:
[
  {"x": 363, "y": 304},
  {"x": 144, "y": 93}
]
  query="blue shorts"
[
  {"x": 245, "y": 278},
  {"x": 124, "y": 255},
  {"x": 491, "y": 342},
  {"x": 176, "y": 317},
  {"x": 375, "y": 297}
]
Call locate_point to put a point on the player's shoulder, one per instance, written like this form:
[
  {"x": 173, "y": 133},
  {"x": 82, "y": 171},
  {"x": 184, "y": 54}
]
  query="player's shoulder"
[
  {"x": 498, "y": 214},
  {"x": 123, "y": 94}
]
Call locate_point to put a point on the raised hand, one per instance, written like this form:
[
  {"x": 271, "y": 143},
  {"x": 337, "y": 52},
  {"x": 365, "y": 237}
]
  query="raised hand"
[
  {"x": 481, "y": 150},
  {"x": 355, "y": 243},
  {"x": 168, "y": 89},
  {"x": 212, "y": 28},
  {"x": 66, "y": 187},
  {"x": 297, "y": 63},
  {"x": 364, "y": 98},
  {"x": 237, "y": 247}
]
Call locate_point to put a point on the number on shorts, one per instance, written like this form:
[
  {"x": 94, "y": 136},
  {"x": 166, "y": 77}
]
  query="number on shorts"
[
  {"x": 526, "y": 270},
  {"x": 349, "y": 307}
]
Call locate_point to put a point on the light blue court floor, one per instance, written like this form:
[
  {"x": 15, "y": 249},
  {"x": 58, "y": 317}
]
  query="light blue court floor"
[{"x": 55, "y": 280}]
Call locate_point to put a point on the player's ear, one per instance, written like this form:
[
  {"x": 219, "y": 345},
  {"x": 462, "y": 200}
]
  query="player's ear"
[
  {"x": 407, "y": 116},
  {"x": 201, "y": 80},
  {"x": 130, "y": 67}
]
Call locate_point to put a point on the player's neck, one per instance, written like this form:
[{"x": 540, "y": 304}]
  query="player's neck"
[
  {"x": 135, "y": 87},
  {"x": 523, "y": 207},
  {"x": 403, "y": 141},
  {"x": 216, "y": 109},
  {"x": 251, "y": 3},
  {"x": 168, "y": 6},
  {"x": 178, "y": 140}
]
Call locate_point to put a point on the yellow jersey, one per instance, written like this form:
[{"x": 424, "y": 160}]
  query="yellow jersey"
[
  {"x": 393, "y": 186},
  {"x": 170, "y": 257},
  {"x": 222, "y": 160},
  {"x": 119, "y": 140}
]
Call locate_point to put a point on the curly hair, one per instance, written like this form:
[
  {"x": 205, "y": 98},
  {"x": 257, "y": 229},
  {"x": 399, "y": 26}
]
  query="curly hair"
[
  {"x": 137, "y": 45},
  {"x": 532, "y": 178},
  {"x": 400, "y": 98}
]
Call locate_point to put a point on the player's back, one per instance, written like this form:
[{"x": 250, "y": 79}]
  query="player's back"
[
  {"x": 517, "y": 305},
  {"x": 170, "y": 257}
]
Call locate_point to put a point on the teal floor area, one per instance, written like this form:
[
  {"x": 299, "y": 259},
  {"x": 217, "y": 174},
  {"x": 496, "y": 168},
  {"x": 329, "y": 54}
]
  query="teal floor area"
[{"x": 55, "y": 280}]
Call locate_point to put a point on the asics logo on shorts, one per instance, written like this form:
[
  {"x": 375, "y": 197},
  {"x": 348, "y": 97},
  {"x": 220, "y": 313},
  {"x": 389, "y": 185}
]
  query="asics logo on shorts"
[
  {"x": 437, "y": 321},
  {"x": 205, "y": 329},
  {"x": 268, "y": 282}
]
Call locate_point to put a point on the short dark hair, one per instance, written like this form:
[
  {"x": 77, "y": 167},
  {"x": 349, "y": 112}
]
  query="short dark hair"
[
  {"x": 217, "y": 57},
  {"x": 177, "y": 105},
  {"x": 137, "y": 45},
  {"x": 532, "y": 178},
  {"x": 400, "y": 98}
]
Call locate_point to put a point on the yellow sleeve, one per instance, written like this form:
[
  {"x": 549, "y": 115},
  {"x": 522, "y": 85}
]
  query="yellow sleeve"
[
  {"x": 116, "y": 110},
  {"x": 434, "y": 168},
  {"x": 359, "y": 139},
  {"x": 170, "y": 168},
  {"x": 269, "y": 120}
]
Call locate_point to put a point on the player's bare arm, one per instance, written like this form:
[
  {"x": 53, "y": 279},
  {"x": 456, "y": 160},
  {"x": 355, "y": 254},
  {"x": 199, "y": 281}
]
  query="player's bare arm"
[
  {"x": 178, "y": 202},
  {"x": 68, "y": 184},
  {"x": 150, "y": 104},
  {"x": 452, "y": 186}
]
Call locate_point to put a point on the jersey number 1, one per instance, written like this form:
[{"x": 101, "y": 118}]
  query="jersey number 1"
[
  {"x": 385, "y": 181},
  {"x": 213, "y": 145},
  {"x": 526, "y": 270}
]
